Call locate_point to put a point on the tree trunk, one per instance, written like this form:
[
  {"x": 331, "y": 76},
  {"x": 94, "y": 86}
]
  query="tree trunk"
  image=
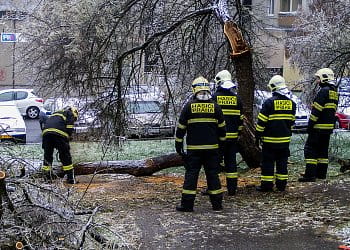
[
  {"x": 246, "y": 85},
  {"x": 146, "y": 167},
  {"x": 244, "y": 73},
  {"x": 143, "y": 167},
  {"x": 250, "y": 153}
]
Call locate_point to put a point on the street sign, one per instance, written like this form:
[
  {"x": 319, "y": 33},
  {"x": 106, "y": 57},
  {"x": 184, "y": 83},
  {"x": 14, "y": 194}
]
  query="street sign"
[{"x": 9, "y": 37}]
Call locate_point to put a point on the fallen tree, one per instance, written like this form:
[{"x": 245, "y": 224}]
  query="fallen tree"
[
  {"x": 133, "y": 167},
  {"x": 146, "y": 167},
  {"x": 35, "y": 216}
]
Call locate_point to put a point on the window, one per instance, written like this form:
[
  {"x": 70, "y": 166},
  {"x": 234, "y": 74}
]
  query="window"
[
  {"x": 21, "y": 95},
  {"x": 271, "y": 7},
  {"x": 13, "y": 15},
  {"x": 142, "y": 107},
  {"x": 7, "y": 96},
  {"x": 290, "y": 5},
  {"x": 247, "y": 4}
]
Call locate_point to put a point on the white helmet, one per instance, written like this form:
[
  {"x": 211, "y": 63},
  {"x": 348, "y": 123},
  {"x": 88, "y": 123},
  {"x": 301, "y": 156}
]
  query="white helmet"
[
  {"x": 277, "y": 82},
  {"x": 224, "y": 79},
  {"x": 326, "y": 75}
]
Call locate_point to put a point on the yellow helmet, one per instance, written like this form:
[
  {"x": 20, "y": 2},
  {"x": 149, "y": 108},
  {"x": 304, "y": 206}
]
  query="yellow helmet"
[
  {"x": 224, "y": 79},
  {"x": 200, "y": 83},
  {"x": 277, "y": 82},
  {"x": 75, "y": 112},
  {"x": 325, "y": 75}
]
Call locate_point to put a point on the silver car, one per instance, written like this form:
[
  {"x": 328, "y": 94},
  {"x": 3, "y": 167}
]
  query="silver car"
[{"x": 147, "y": 119}]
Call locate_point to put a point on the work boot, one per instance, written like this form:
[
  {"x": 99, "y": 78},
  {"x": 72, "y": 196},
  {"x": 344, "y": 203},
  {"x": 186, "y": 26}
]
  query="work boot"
[
  {"x": 281, "y": 185},
  {"x": 321, "y": 171},
  {"x": 265, "y": 186},
  {"x": 310, "y": 174},
  {"x": 307, "y": 179},
  {"x": 47, "y": 176},
  {"x": 231, "y": 186},
  {"x": 187, "y": 203},
  {"x": 216, "y": 201},
  {"x": 70, "y": 177},
  {"x": 181, "y": 208}
]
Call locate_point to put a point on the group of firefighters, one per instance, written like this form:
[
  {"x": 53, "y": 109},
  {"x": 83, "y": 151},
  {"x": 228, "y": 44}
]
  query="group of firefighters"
[{"x": 212, "y": 125}]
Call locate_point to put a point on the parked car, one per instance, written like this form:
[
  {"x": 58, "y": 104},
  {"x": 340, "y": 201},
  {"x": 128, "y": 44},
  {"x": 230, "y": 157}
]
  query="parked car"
[
  {"x": 343, "y": 112},
  {"x": 145, "y": 92},
  {"x": 302, "y": 111},
  {"x": 88, "y": 118},
  {"x": 147, "y": 119},
  {"x": 12, "y": 126},
  {"x": 26, "y": 101}
]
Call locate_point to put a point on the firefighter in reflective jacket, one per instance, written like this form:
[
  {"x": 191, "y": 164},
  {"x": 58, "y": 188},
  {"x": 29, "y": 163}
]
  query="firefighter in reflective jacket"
[
  {"x": 203, "y": 122},
  {"x": 273, "y": 129},
  {"x": 57, "y": 131},
  {"x": 231, "y": 106},
  {"x": 320, "y": 127}
]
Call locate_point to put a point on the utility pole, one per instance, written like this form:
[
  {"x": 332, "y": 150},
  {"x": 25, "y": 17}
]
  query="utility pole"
[{"x": 14, "y": 55}]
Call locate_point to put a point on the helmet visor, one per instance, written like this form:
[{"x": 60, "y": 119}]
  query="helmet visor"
[{"x": 200, "y": 84}]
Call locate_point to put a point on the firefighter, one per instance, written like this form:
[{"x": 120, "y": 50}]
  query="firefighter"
[
  {"x": 231, "y": 106},
  {"x": 57, "y": 132},
  {"x": 320, "y": 127},
  {"x": 273, "y": 130},
  {"x": 203, "y": 122}
]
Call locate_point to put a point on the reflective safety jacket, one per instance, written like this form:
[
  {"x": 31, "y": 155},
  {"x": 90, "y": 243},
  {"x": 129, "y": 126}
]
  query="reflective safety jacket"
[
  {"x": 60, "y": 122},
  {"x": 323, "y": 110},
  {"x": 275, "y": 121},
  {"x": 204, "y": 124},
  {"x": 231, "y": 107}
]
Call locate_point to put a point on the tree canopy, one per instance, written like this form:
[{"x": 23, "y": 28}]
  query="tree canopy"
[{"x": 321, "y": 38}]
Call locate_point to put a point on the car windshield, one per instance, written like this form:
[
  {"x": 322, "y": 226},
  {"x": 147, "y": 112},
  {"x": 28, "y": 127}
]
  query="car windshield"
[
  {"x": 137, "y": 90},
  {"x": 141, "y": 107}
]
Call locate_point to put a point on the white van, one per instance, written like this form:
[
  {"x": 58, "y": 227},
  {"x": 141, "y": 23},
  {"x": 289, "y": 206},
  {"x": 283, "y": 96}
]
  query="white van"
[{"x": 12, "y": 125}]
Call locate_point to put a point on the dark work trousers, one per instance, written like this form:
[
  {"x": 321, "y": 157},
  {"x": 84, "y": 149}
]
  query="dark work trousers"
[
  {"x": 195, "y": 159},
  {"x": 52, "y": 141},
  {"x": 230, "y": 161},
  {"x": 316, "y": 155},
  {"x": 272, "y": 156}
]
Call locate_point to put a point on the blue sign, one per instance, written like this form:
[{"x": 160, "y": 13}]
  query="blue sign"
[{"x": 8, "y": 37}]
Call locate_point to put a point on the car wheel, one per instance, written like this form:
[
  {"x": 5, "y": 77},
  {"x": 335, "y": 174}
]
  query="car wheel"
[{"x": 33, "y": 112}]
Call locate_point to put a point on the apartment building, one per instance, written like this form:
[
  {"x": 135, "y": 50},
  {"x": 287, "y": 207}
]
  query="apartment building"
[
  {"x": 12, "y": 15},
  {"x": 279, "y": 16}
]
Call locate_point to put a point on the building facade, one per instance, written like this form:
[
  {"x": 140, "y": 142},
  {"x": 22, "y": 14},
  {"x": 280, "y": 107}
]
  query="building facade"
[
  {"x": 12, "y": 15},
  {"x": 277, "y": 15}
]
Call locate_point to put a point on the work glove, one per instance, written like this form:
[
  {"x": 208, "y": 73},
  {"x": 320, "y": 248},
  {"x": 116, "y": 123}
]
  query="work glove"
[{"x": 179, "y": 148}]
